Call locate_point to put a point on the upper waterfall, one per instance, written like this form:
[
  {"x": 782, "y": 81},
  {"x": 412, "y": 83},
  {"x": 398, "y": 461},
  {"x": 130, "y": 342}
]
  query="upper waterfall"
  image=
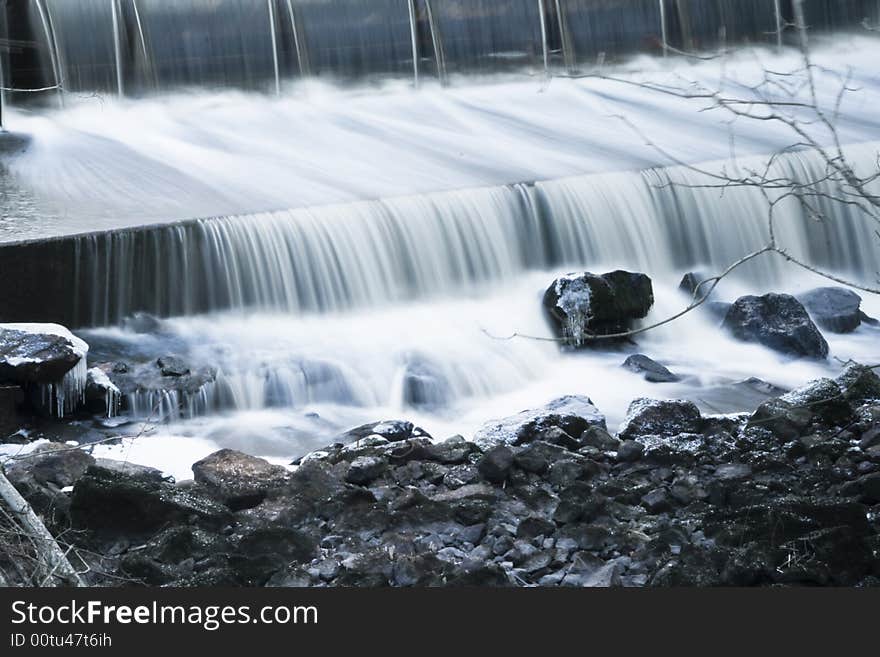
[{"x": 134, "y": 47}]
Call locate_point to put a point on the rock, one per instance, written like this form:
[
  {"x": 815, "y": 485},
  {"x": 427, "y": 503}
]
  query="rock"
[
  {"x": 172, "y": 366},
  {"x": 364, "y": 469},
  {"x": 391, "y": 430},
  {"x": 870, "y": 438},
  {"x": 109, "y": 501},
  {"x": 691, "y": 280},
  {"x": 573, "y": 414},
  {"x": 496, "y": 464},
  {"x": 580, "y": 305},
  {"x": 150, "y": 386},
  {"x": 10, "y": 398},
  {"x": 102, "y": 395},
  {"x": 824, "y": 399},
  {"x": 778, "y": 322},
  {"x": 538, "y": 456},
  {"x": 38, "y": 353},
  {"x": 239, "y": 480},
  {"x": 834, "y": 309},
  {"x": 867, "y": 487},
  {"x": 651, "y": 370},
  {"x": 600, "y": 439},
  {"x": 859, "y": 384},
  {"x": 647, "y": 417},
  {"x": 534, "y": 526},
  {"x": 783, "y": 419},
  {"x": 41, "y": 477},
  {"x": 657, "y": 501},
  {"x": 630, "y": 450},
  {"x": 425, "y": 385}
]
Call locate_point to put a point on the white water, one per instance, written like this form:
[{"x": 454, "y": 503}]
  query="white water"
[
  {"x": 312, "y": 313},
  {"x": 105, "y": 162}
]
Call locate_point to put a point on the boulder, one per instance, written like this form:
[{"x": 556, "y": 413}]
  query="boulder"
[
  {"x": 391, "y": 430},
  {"x": 581, "y": 305},
  {"x": 115, "y": 501},
  {"x": 241, "y": 481},
  {"x": 651, "y": 370},
  {"x": 655, "y": 417},
  {"x": 776, "y": 321},
  {"x": 42, "y": 475},
  {"x": 834, "y": 309},
  {"x": 573, "y": 414},
  {"x": 364, "y": 469},
  {"x": 172, "y": 366},
  {"x": 496, "y": 464},
  {"x": 691, "y": 280},
  {"x": 859, "y": 384},
  {"x": 38, "y": 353}
]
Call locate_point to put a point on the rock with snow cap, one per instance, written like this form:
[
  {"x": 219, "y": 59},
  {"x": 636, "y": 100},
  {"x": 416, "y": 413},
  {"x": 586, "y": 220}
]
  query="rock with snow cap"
[
  {"x": 574, "y": 414},
  {"x": 585, "y": 304}
]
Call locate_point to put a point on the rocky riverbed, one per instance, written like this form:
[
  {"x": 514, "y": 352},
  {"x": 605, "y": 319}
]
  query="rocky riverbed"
[{"x": 789, "y": 494}]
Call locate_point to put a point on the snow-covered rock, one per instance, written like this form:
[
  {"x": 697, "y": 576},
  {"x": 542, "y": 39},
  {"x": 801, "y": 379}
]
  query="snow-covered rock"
[
  {"x": 573, "y": 414},
  {"x": 48, "y": 358},
  {"x": 581, "y": 305}
]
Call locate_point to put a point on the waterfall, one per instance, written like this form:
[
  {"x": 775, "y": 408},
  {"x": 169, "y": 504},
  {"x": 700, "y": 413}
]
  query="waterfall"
[
  {"x": 142, "y": 45},
  {"x": 373, "y": 253}
]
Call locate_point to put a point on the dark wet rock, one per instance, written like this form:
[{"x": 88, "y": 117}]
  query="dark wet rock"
[
  {"x": 600, "y": 439},
  {"x": 870, "y": 438},
  {"x": 38, "y": 353},
  {"x": 791, "y": 415},
  {"x": 835, "y": 309},
  {"x": 650, "y": 370},
  {"x": 581, "y": 305},
  {"x": 390, "y": 430},
  {"x": 866, "y": 487},
  {"x": 425, "y": 385},
  {"x": 496, "y": 464},
  {"x": 365, "y": 469},
  {"x": 859, "y": 384},
  {"x": 630, "y": 450},
  {"x": 10, "y": 398},
  {"x": 660, "y": 418},
  {"x": 783, "y": 419},
  {"x": 691, "y": 280},
  {"x": 173, "y": 366},
  {"x": 152, "y": 379},
  {"x": 44, "y": 473},
  {"x": 239, "y": 480},
  {"x": 776, "y": 321},
  {"x": 110, "y": 501},
  {"x": 656, "y": 501},
  {"x": 573, "y": 414},
  {"x": 538, "y": 456}
]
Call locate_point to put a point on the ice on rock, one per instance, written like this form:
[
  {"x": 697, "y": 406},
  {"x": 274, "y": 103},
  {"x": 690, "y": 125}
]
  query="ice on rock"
[{"x": 59, "y": 396}]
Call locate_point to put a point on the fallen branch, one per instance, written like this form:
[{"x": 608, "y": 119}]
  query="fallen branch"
[{"x": 53, "y": 559}]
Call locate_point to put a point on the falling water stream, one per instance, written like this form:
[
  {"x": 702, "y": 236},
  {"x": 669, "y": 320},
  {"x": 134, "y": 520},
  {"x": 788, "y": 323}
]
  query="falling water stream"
[{"x": 322, "y": 244}]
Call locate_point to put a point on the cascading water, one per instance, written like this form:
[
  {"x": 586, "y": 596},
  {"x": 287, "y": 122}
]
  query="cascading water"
[
  {"x": 140, "y": 46},
  {"x": 343, "y": 257},
  {"x": 368, "y": 254}
]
